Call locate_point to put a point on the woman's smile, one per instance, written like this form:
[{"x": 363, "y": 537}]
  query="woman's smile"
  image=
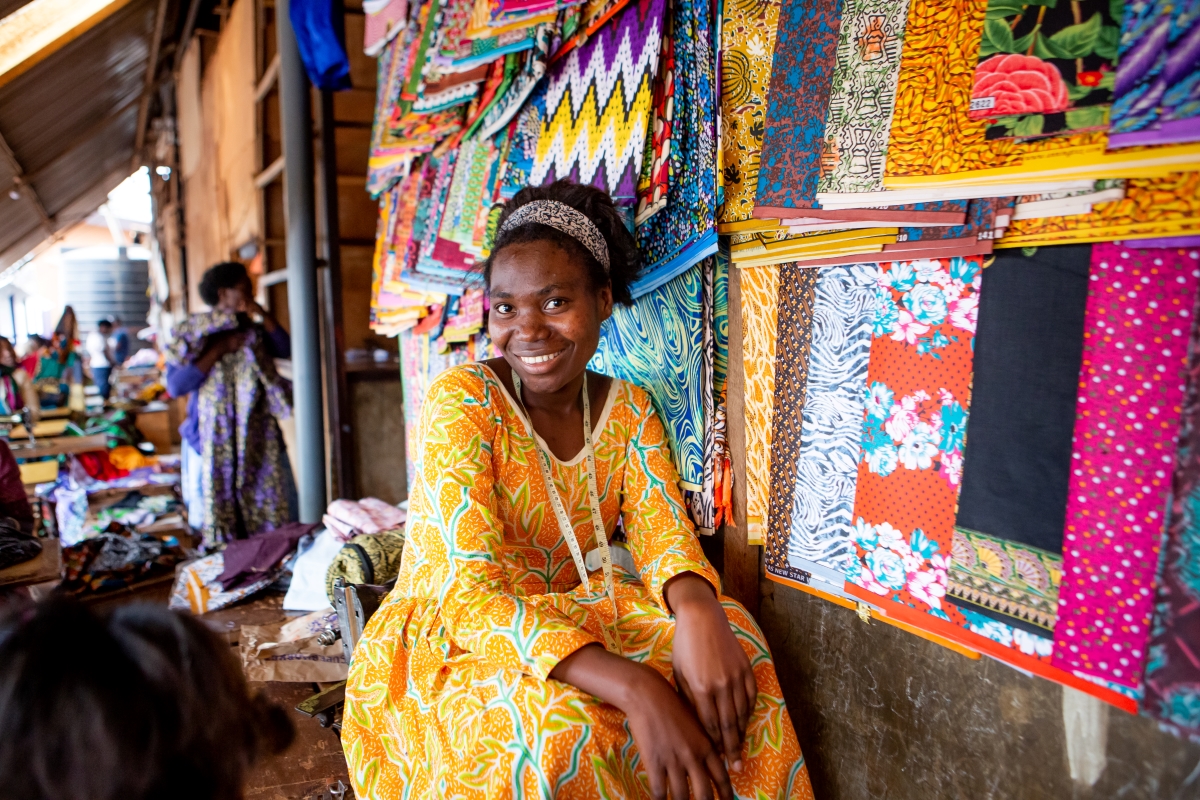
[{"x": 541, "y": 359}]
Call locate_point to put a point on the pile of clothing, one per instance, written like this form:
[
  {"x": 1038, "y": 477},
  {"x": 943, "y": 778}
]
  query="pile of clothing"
[{"x": 350, "y": 518}]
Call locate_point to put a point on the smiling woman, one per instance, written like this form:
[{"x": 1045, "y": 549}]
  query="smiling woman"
[{"x": 499, "y": 667}]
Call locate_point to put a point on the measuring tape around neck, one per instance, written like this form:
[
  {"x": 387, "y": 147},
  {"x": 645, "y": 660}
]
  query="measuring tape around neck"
[{"x": 560, "y": 511}]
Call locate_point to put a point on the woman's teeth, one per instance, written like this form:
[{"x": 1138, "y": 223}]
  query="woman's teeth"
[{"x": 540, "y": 359}]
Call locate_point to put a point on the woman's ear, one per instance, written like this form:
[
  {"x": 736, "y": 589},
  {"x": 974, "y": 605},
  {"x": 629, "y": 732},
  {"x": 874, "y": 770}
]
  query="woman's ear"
[{"x": 604, "y": 302}]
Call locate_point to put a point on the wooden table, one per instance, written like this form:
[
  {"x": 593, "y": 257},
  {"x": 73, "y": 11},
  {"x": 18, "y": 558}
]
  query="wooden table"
[
  {"x": 315, "y": 759},
  {"x": 59, "y": 445},
  {"x": 46, "y": 567}
]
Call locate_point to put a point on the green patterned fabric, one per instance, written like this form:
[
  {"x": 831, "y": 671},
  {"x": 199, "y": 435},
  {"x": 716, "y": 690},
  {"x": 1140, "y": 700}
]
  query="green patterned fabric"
[{"x": 372, "y": 558}]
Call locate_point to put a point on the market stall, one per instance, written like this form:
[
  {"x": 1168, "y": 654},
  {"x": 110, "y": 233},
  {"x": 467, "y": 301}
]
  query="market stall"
[{"x": 966, "y": 244}]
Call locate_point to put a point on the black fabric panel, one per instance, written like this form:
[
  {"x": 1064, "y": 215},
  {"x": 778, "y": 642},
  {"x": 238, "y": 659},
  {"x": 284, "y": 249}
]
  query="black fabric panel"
[{"x": 1028, "y": 349}]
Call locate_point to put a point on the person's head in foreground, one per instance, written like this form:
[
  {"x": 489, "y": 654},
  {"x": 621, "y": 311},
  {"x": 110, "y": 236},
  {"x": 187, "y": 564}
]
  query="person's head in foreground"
[
  {"x": 143, "y": 703},
  {"x": 561, "y": 258}
]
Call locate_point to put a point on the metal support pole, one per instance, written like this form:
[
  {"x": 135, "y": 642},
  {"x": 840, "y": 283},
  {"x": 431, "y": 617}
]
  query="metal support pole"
[{"x": 296, "y": 120}]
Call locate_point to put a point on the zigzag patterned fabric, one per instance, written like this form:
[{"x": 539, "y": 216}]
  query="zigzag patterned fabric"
[{"x": 596, "y": 105}]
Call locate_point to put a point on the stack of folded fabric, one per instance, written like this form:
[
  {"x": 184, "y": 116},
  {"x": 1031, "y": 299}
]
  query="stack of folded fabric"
[{"x": 350, "y": 518}]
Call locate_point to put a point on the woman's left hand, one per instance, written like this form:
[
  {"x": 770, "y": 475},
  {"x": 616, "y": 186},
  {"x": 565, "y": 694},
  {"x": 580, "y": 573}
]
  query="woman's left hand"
[{"x": 710, "y": 666}]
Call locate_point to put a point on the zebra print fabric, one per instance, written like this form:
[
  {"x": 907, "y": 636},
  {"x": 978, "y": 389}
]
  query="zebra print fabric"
[{"x": 824, "y": 472}]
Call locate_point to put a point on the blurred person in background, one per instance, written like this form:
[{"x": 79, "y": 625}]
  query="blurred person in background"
[
  {"x": 100, "y": 356},
  {"x": 59, "y": 375},
  {"x": 31, "y": 351},
  {"x": 142, "y": 703},
  {"x": 237, "y": 480},
  {"x": 16, "y": 384},
  {"x": 120, "y": 342}
]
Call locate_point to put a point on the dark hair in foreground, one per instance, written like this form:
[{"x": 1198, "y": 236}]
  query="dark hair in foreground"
[
  {"x": 225, "y": 275},
  {"x": 596, "y": 206},
  {"x": 144, "y": 703}
]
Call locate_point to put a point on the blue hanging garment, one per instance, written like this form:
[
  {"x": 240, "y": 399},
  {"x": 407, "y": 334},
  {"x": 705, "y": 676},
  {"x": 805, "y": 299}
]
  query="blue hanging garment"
[{"x": 321, "y": 37}]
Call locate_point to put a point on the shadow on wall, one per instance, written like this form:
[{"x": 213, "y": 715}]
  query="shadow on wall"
[{"x": 881, "y": 713}]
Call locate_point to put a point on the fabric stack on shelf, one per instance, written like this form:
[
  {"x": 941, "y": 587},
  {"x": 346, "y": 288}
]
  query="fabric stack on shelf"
[{"x": 1033, "y": 533}]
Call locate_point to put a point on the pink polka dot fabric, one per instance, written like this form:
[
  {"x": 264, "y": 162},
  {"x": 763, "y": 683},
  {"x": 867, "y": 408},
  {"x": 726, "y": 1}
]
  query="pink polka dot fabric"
[{"x": 1131, "y": 387}]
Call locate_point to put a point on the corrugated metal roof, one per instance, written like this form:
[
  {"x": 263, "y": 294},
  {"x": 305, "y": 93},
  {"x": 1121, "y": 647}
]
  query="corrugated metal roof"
[{"x": 71, "y": 124}]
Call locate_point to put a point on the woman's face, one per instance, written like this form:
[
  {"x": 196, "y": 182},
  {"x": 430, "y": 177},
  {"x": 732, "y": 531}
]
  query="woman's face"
[
  {"x": 545, "y": 316},
  {"x": 8, "y": 356},
  {"x": 234, "y": 298}
]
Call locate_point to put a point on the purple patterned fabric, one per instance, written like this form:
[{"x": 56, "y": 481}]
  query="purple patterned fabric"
[{"x": 246, "y": 475}]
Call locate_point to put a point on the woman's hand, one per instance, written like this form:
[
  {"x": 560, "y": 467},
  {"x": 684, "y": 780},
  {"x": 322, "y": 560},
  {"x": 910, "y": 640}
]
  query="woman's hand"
[
  {"x": 711, "y": 668},
  {"x": 675, "y": 750}
]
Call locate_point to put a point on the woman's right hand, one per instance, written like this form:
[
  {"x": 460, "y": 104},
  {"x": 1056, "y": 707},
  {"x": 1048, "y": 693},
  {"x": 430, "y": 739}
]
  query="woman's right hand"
[{"x": 674, "y": 747}]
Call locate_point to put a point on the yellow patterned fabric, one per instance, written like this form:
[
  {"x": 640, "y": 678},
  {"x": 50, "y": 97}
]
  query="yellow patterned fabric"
[
  {"x": 1151, "y": 208},
  {"x": 448, "y": 695},
  {"x": 747, "y": 44},
  {"x": 760, "y": 304}
]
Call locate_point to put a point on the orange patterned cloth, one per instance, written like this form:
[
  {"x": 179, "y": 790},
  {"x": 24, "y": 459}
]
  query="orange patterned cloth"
[
  {"x": 1151, "y": 207},
  {"x": 448, "y": 695},
  {"x": 932, "y": 132}
]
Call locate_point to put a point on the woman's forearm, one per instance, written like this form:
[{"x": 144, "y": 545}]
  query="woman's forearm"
[{"x": 613, "y": 679}]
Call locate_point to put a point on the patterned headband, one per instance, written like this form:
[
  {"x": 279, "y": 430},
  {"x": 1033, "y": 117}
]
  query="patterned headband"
[{"x": 561, "y": 217}]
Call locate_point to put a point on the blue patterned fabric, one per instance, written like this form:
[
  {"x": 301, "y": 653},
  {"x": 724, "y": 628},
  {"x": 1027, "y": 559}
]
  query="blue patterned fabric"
[
  {"x": 657, "y": 343},
  {"x": 684, "y": 233}
]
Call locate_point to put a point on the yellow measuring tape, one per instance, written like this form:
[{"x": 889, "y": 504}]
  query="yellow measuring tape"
[{"x": 612, "y": 644}]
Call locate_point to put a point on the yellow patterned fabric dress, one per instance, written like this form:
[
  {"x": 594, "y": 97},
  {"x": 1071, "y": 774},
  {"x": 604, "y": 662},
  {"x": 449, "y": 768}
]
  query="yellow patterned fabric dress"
[{"x": 448, "y": 695}]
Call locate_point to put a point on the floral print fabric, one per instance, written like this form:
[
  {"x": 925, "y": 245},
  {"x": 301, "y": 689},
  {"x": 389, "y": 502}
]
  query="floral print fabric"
[
  {"x": 1131, "y": 386},
  {"x": 917, "y": 396},
  {"x": 246, "y": 482},
  {"x": 448, "y": 694}
]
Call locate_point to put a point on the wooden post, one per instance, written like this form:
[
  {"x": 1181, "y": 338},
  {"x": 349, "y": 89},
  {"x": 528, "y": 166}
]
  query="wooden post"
[{"x": 741, "y": 560}]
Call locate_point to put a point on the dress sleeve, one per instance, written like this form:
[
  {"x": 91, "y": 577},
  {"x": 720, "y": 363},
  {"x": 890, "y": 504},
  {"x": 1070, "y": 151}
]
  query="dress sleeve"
[
  {"x": 660, "y": 533},
  {"x": 461, "y": 534}
]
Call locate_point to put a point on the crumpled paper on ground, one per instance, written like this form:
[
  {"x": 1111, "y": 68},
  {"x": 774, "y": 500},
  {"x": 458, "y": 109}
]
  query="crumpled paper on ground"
[{"x": 288, "y": 651}]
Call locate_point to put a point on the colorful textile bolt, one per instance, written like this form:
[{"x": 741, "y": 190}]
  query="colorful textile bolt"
[
  {"x": 760, "y": 314},
  {"x": 815, "y": 463},
  {"x": 684, "y": 233},
  {"x": 801, "y": 77},
  {"x": 596, "y": 106},
  {"x": 862, "y": 96},
  {"x": 1145, "y": 32},
  {"x": 1158, "y": 80},
  {"x": 1172, "y": 678},
  {"x": 917, "y": 397},
  {"x": 1140, "y": 311},
  {"x": 656, "y": 164},
  {"x": 1004, "y": 580},
  {"x": 658, "y": 344},
  {"x": 747, "y": 46},
  {"x": 1046, "y": 69},
  {"x": 1007, "y": 557}
]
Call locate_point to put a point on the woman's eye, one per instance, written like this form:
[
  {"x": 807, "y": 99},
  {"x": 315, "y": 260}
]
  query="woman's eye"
[
  {"x": 556, "y": 302},
  {"x": 504, "y": 308}
]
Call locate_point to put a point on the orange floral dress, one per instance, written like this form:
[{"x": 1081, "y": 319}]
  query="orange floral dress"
[{"x": 449, "y": 694}]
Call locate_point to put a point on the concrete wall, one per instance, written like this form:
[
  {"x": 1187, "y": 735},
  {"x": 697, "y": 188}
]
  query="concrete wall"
[{"x": 881, "y": 713}]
